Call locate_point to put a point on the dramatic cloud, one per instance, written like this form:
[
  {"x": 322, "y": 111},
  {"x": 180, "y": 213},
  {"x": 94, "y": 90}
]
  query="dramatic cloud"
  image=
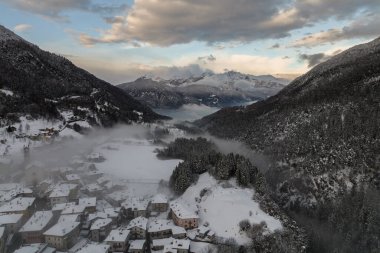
[
  {"x": 171, "y": 22},
  {"x": 367, "y": 27},
  {"x": 22, "y": 28},
  {"x": 54, "y": 8}
]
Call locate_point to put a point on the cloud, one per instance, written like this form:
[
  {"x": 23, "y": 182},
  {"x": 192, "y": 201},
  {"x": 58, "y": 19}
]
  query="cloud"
[
  {"x": 20, "y": 28},
  {"x": 277, "y": 45},
  {"x": 169, "y": 22},
  {"x": 315, "y": 59},
  {"x": 54, "y": 9},
  {"x": 366, "y": 27},
  {"x": 206, "y": 59}
]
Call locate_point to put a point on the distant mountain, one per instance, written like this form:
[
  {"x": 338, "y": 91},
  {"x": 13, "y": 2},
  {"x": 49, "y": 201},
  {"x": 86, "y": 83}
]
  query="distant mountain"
[
  {"x": 41, "y": 84},
  {"x": 218, "y": 90}
]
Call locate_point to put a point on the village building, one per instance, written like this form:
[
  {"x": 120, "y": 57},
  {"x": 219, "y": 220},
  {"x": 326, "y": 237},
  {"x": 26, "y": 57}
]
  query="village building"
[
  {"x": 93, "y": 189},
  {"x": 20, "y": 205},
  {"x": 159, "y": 244},
  {"x": 100, "y": 229},
  {"x": 183, "y": 217},
  {"x": 178, "y": 232},
  {"x": 73, "y": 178},
  {"x": 89, "y": 203},
  {"x": 94, "y": 248},
  {"x": 14, "y": 193},
  {"x": 62, "y": 235},
  {"x": 135, "y": 207},
  {"x": 138, "y": 228},
  {"x": 158, "y": 229},
  {"x": 159, "y": 203},
  {"x": 181, "y": 245},
  {"x": 118, "y": 240},
  {"x": 114, "y": 213},
  {"x": 63, "y": 193},
  {"x": 11, "y": 222},
  {"x": 33, "y": 229},
  {"x": 59, "y": 196},
  {"x": 137, "y": 246},
  {"x": 36, "y": 248}
]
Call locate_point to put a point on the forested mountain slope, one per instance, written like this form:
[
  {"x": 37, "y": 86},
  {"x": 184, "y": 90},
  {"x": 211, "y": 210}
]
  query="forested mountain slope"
[
  {"x": 38, "y": 83},
  {"x": 322, "y": 133}
]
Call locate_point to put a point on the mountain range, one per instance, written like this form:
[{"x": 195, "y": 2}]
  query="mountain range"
[
  {"x": 216, "y": 90},
  {"x": 42, "y": 84}
]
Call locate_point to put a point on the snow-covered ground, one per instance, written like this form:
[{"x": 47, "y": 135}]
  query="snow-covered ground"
[
  {"x": 135, "y": 161},
  {"x": 224, "y": 207},
  {"x": 11, "y": 147}
]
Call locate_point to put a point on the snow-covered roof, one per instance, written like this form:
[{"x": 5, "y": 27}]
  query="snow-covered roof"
[
  {"x": 59, "y": 192},
  {"x": 93, "y": 187},
  {"x": 9, "y": 195},
  {"x": 88, "y": 202},
  {"x": 61, "y": 206},
  {"x": 36, "y": 248},
  {"x": 72, "y": 177},
  {"x": 157, "y": 225},
  {"x": 17, "y": 205},
  {"x": 140, "y": 222},
  {"x": 136, "y": 204},
  {"x": 94, "y": 248},
  {"x": 162, "y": 242},
  {"x": 181, "y": 212},
  {"x": 62, "y": 190},
  {"x": 159, "y": 199},
  {"x": 99, "y": 223},
  {"x": 181, "y": 244},
  {"x": 112, "y": 212},
  {"x": 100, "y": 215},
  {"x": 38, "y": 221},
  {"x": 68, "y": 218},
  {"x": 176, "y": 230},
  {"x": 9, "y": 218},
  {"x": 118, "y": 235},
  {"x": 62, "y": 228},
  {"x": 136, "y": 244},
  {"x": 77, "y": 209}
]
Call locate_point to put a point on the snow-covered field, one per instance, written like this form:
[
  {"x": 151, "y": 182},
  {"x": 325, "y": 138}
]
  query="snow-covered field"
[
  {"x": 135, "y": 161},
  {"x": 223, "y": 208}
]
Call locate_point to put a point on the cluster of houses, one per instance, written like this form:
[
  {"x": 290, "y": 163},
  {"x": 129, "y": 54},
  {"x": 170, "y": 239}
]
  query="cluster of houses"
[{"x": 78, "y": 209}]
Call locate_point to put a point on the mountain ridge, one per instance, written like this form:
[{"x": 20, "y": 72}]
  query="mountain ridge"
[
  {"x": 45, "y": 84},
  {"x": 217, "y": 90}
]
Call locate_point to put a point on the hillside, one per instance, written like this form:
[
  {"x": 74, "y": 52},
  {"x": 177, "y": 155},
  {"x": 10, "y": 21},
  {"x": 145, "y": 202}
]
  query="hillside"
[
  {"x": 322, "y": 133},
  {"x": 217, "y": 90},
  {"x": 37, "y": 83}
]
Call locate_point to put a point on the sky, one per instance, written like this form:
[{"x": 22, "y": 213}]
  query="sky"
[{"x": 121, "y": 40}]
